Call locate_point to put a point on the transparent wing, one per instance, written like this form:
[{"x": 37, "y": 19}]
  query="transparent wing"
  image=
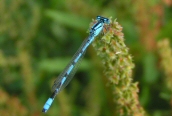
[{"x": 65, "y": 77}]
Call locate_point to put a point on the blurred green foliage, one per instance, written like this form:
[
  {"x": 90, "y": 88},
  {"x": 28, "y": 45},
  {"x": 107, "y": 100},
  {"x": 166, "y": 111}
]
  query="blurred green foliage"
[{"x": 38, "y": 38}]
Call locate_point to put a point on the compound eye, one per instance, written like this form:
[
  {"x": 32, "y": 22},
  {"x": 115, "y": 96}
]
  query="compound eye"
[
  {"x": 106, "y": 20},
  {"x": 98, "y": 18}
]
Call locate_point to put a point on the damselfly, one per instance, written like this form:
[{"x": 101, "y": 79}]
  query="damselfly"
[{"x": 65, "y": 77}]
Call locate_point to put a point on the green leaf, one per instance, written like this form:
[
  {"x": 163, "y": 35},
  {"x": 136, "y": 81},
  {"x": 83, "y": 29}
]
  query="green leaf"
[
  {"x": 150, "y": 71},
  {"x": 67, "y": 19}
]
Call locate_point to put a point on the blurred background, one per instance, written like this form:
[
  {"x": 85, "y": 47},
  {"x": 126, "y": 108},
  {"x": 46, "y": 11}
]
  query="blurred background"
[{"x": 38, "y": 39}]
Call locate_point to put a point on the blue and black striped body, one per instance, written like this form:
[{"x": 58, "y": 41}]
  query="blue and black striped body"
[{"x": 65, "y": 77}]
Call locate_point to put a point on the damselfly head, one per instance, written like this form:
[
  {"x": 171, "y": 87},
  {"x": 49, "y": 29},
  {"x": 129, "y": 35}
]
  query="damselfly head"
[{"x": 103, "y": 19}]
